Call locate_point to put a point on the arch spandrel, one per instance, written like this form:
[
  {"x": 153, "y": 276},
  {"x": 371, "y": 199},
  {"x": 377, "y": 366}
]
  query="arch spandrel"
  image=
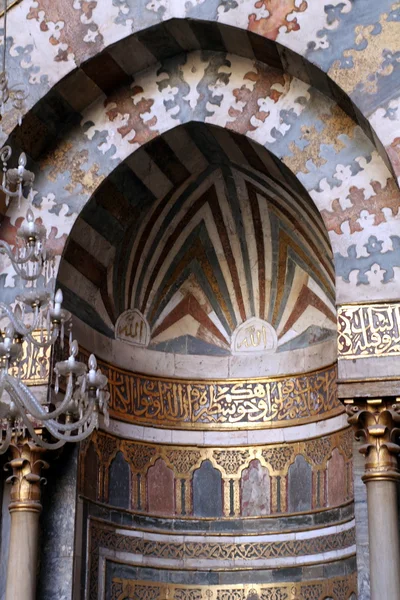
[
  {"x": 327, "y": 152},
  {"x": 324, "y": 44}
]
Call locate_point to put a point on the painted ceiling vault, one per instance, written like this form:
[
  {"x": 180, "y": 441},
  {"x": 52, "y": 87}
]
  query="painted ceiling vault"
[{"x": 194, "y": 234}]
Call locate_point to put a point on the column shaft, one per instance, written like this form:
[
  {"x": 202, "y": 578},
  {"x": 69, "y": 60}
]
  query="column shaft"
[
  {"x": 26, "y": 467},
  {"x": 22, "y": 562},
  {"x": 376, "y": 421},
  {"x": 383, "y": 529}
]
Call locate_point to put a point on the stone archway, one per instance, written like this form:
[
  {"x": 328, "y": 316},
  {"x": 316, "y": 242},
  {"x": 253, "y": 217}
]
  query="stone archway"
[
  {"x": 324, "y": 149},
  {"x": 326, "y": 152},
  {"x": 195, "y": 234},
  {"x": 321, "y": 42}
]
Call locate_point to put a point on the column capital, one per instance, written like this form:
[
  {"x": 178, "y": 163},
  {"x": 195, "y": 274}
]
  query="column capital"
[
  {"x": 26, "y": 463},
  {"x": 377, "y": 422}
]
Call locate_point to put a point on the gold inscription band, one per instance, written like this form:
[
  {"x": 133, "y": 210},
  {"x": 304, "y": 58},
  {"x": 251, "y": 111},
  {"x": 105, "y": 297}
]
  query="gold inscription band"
[
  {"x": 202, "y": 404},
  {"x": 224, "y": 404},
  {"x": 369, "y": 330}
]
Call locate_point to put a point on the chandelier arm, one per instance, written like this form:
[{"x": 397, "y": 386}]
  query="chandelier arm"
[
  {"x": 34, "y": 404},
  {"x": 77, "y": 424},
  {"x": 23, "y": 403},
  {"x": 22, "y": 273},
  {"x": 6, "y": 248},
  {"x": 45, "y": 345},
  {"x": 4, "y": 445},
  {"x": 8, "y": 192},
  {"x": 52, "y": 428},
  {"x": 40, "y": 441},
  {"x": 28, "y": 423},
  {"x": 5, "y": 37},
  {"x": 49, "y": 416},
  {"x": 80, "y": 436},
  {"x": 17, "y": 323}
]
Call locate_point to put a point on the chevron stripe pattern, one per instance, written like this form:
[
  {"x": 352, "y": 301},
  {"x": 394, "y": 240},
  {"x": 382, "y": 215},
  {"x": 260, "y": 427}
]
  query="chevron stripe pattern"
[{"x": 195, "y": 233}]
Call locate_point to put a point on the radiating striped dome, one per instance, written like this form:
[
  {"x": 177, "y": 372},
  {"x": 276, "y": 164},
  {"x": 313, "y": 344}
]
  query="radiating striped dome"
[{"x": 199, "y": 234}]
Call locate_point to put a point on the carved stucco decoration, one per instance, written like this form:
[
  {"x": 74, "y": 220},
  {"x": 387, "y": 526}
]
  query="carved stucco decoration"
[
  {"x": 230, "y": 462},
  {"x": 106, "y": 537},
  {"x": 132, "y": 327},
  {"x": 254, "y": 336}
]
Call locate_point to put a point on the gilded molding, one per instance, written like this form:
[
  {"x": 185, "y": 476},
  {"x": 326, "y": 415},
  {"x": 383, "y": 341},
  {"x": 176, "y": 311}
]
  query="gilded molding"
[
  {"x": 368, "y": 330},
  {"x": 338, "y": 588},
  {"x": 377, "y": 422},
  {"x": 221, "y": 404},
  {"x": 26, "y": 465}
]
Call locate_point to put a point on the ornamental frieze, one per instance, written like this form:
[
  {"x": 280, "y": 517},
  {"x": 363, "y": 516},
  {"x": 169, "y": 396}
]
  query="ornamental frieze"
[
  {"x": 323, "y": 464},
  {"x": 105, "y": 537},
  {"x": 370, "y": 330},
  {"x": 221, "y": 404},
  {"x": 263, "y": 550}
]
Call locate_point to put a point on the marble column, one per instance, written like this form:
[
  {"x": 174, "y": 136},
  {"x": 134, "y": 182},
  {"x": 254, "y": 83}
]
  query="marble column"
[
  {"x": 26, "y": 467},
  {"x": 376, "y": 422}
]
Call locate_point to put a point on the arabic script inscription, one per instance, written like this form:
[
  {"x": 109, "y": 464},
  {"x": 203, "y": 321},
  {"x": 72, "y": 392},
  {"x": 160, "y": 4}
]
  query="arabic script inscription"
[
  {"x": 133, "y": 328},
  {"x": 251, "y": 403},
  {"x": 254, "y": 336},
  {"x": 368, "y": 330}
]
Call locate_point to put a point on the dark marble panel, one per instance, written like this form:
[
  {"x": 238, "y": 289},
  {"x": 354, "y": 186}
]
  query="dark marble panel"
[
  {"x": 58, "y": 528},
  {"x": 265, "y": 50},
  {"x": 256, "y": 576},
  {"x": 91, "y": 470},
  {"x": 361, "y": 514},
  {"x": 300, "y": 485},
  {"x": 58, "y": 581},
  {"x": 105, "y": 72},
  {"x": 279, "y": 523},
  {"x": 119, "y": 483},
  {"x": 160, "y": 42},
  {"x": 209, "y": 36},
  {"x": 207, "y": 491}
]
